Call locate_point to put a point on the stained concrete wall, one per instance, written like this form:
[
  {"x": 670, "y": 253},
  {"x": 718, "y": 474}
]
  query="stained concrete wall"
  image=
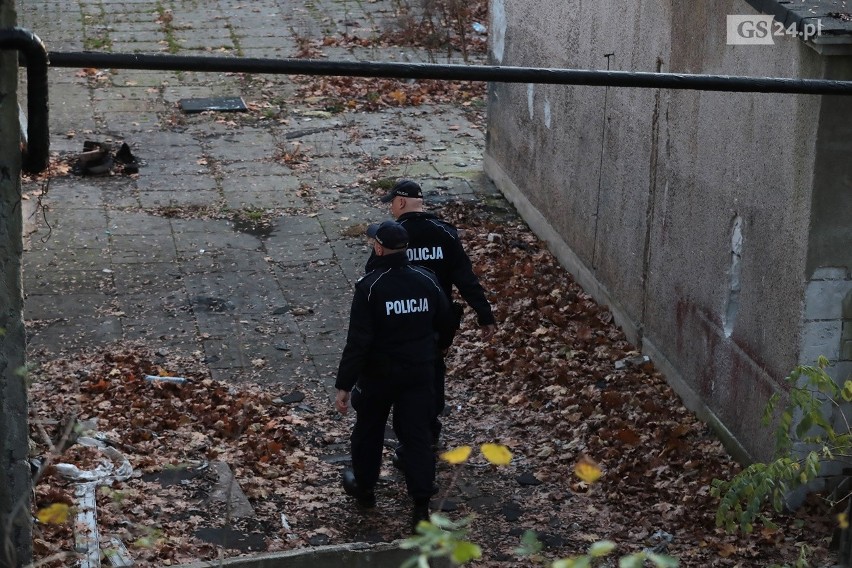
[{"x": 701, "y": 218}]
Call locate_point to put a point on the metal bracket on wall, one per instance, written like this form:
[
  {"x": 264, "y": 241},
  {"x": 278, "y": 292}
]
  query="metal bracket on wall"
[{"x": 35, "y": 157}]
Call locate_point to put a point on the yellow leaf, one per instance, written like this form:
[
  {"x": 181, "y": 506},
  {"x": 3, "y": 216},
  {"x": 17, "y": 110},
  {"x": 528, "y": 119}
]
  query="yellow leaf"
[
  {"x": 497, "y": 454},
  {"x": 55, "y": 514},
  {"x": 843, "y": 520},
  {"x": 456, "y": 455},
  {"x": 587, "y": 470}
]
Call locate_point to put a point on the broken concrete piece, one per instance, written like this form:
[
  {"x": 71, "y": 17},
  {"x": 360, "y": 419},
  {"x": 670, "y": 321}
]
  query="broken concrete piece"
[{"x": 227, "y": 490}]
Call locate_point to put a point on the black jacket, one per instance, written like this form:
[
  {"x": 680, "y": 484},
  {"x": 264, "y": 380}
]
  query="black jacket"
[
  {"x": 399, "y": 314},
  {"x": 435, "y": 244}
]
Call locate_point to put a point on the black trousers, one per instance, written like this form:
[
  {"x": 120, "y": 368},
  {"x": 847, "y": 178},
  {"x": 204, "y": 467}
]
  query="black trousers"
[
  {"x": 440, "y": 402},
  {"x": 441, "y": 374},
  {"x": 410, "y": 391},
  {"x": 440, "y": 395}
]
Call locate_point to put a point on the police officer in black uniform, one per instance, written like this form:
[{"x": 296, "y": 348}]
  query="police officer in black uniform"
[
  {"x": 399, "y": 316},
  {"x": 435, "y": 244}
]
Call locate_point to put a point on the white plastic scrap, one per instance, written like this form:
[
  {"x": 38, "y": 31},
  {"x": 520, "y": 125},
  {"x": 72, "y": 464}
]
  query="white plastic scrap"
[
  {"x": 105, "y": 472},
  {"x": 158, "y": 379},
  {"x": 287, "y": 527},
  {"x": 115, "y": 468}
]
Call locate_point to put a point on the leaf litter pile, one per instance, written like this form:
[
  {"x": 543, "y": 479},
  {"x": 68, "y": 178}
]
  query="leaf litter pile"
[{"x": 558, "y": 385}]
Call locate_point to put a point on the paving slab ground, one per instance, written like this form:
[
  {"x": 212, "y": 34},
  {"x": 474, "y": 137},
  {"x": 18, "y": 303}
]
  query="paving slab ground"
[
  {"x": 239, "y": 240},
  {"x": 158, "y": 256}
]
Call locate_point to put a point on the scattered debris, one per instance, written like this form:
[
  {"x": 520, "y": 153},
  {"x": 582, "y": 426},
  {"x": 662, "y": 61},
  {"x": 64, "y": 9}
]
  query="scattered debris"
[
  {"x": 158, "y": 379},
  {"x": 842, "y": 16},
  {"x": 293, "y": 134},
  {"x": 528, "y": 478},
  {"x": 177, "y": 475},
  {"x": 319, "y": 540},
  {"x": 636, "y": 361},
  {"x": 86, "y": 533},
  {"x": 659, "y": 542},
  {"x": 98, "y": 159},
  {"x": 291, "y": 398},
  {"x": 220, "y": 104},
  {"x": 231, "y": 538},
  {"x": 212, "y": 304},
  {"x": 511, "y": 511},
  {"x": 316, "y": 114}
]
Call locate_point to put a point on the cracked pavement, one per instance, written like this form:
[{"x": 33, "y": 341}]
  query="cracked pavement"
[{"x": 170, "y": 256}]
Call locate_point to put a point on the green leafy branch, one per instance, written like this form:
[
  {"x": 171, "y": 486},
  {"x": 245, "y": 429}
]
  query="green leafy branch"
[
  {"x": 441, "y": 538},
  {"x": 817, "y": 402},
  {"x": 531, "y": 546}
]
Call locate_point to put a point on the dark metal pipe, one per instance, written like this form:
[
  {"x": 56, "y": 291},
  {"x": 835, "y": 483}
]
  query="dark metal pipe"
[
  {"x": 38, "y": 59},
  {"x": 451, "y": 72},
  {"x": 35, "y": 158}
]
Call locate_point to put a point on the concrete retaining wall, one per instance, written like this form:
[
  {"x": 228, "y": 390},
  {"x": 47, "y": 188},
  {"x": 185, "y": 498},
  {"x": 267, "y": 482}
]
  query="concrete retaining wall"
[
  {"x": 698, "y": 217},
  {"x": 356, "y": 555}
]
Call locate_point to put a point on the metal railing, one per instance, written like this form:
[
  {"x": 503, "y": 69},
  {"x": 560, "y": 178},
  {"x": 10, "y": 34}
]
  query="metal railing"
[
  {"x": 35, "y": 158},
  {"x": 38, "y": 60}
]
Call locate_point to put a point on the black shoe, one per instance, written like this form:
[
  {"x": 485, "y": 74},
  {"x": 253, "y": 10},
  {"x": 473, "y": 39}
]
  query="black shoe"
[
  {"x": 420, "y": 512},
  {"x": 365, "y": 498}
]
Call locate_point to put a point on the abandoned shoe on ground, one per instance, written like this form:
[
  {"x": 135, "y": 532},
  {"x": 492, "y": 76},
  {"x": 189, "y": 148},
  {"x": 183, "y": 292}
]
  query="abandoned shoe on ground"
[{"x": 365, "y": 498}]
